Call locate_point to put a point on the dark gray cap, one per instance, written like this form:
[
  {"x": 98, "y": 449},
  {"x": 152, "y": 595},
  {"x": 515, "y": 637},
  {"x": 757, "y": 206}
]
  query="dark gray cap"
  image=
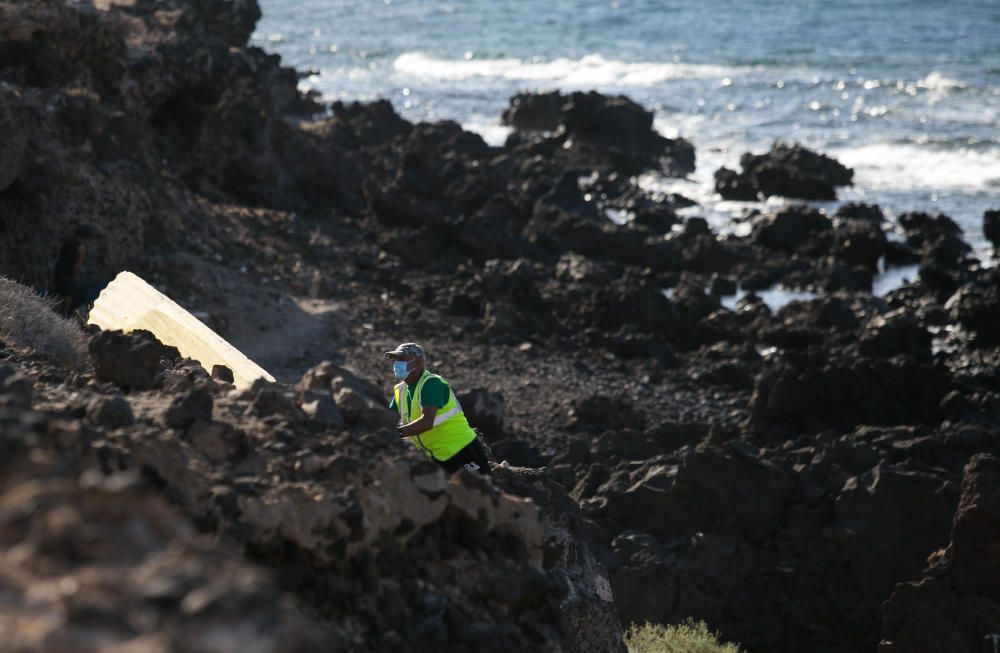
[{"x": 406, "y": 349}]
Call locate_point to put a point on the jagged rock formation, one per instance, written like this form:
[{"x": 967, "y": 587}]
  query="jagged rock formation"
[
  {"x": 381, "y": 544},
  {"x": 91, "y": 561},
  {"x": 788, "y": 170},
  {"x": 955, "y": 606}
]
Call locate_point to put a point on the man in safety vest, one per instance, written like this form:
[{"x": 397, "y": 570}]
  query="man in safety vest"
[{"x": 430, "y": 415}]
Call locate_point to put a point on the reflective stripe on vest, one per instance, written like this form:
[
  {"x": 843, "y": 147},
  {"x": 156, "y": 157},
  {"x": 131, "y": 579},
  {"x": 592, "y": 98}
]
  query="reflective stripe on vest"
[{"x": 450, "y": 432}]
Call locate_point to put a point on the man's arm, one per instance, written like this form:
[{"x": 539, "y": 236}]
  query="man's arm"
[{"x": 418, "y": 426}]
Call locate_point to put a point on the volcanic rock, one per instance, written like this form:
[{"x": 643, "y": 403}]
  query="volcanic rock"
[
  {"x": 485, "y": 410},
  {"x": 792, "y": 228},
  {"x": 805, "y": 392},
  {"x": 15, "y": 388},
  {"x": 534, "y": 111},
  {"x": 110, "y": 412},
  {"x": 991, "y": 228},
  {"x": 858, "y": 211},
  {"x": 788, "y": 170},
  {"x": 909, "y": 512},
  {"x": 976, "y": 306},
  {"x": 185, "y": 409},
  {"x": 590, "y": 621},
  {"x": 599, "y": 130},
  {"x": 895, "y": 333},
  {"x": 860, "y": 242},
  {"x": 129, "y": 360},
  {"x": 955, "y": 606},
  {"x": 320, "y": 407}
]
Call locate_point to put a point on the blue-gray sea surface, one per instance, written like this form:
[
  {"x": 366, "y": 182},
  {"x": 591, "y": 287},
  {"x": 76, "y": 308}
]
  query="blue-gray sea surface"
[{"x": 905, "y": 91}]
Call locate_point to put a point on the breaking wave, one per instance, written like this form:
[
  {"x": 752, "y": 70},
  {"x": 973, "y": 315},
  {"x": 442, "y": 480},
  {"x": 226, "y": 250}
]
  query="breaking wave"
[
  {"x": 589, "y": 71},
  {"x": 913, "y": 165}
]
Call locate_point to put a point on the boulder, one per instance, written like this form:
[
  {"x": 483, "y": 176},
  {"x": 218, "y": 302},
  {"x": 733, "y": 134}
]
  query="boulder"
[
  {"x": 130, "y": 361},
  {"x": 188, "y": 408},
  {"x": 320, "y": 408},
  {"x": 266, "y": 399},
  {"x": 218, "y": 442},
  {"x": 860, "y": 242},
  {"x": 895, "y": 333},
  {"x": 976, "y": 306},
  {"x": 788, "y": 170},
  {"x": 534, "y": 111},
  {"x": 924, "y": 228},
  {"x": 361, "y": 408},
  {"x": 110, "y": 412},
  {"x": 600, "y": 132},
  {"x": 485, "y": 410},
  {"x": 792, "y": 228}
]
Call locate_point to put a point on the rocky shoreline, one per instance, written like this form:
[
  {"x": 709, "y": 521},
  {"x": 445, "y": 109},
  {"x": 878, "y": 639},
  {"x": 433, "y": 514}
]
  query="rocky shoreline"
[{"x": 817, "y": 477}]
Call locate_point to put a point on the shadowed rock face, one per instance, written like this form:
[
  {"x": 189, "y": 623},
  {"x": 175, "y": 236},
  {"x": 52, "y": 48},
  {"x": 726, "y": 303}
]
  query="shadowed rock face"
[
  {"x": 955, "y": 606},
  {"x": 15, "y": 138}
]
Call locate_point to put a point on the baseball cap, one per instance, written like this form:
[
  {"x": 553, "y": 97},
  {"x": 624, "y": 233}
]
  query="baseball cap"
[{"x": 406, "y": 349}]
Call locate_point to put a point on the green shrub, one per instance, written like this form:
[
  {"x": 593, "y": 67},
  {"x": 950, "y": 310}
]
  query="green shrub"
[
  {"x": 688, "y": 637},
  {"x": 29, "y": 320}
]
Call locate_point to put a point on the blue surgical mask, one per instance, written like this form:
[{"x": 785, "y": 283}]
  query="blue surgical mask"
[{"x": 400, "y": 369}]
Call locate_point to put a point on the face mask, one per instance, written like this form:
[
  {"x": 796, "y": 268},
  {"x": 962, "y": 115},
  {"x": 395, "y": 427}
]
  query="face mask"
[{"x": 400, "y": 369}]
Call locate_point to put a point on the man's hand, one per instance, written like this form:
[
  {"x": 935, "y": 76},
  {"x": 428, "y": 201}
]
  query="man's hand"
[{"x": 425, "y": 423}]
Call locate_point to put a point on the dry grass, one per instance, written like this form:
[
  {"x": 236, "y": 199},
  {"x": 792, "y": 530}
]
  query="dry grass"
[
  {"x": 688, "y": 637},
  {"x": 28, "y": 320}
]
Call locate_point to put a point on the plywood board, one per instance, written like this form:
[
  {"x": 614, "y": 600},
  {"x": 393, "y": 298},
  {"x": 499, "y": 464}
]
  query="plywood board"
[{"x": 129, "y": 303}]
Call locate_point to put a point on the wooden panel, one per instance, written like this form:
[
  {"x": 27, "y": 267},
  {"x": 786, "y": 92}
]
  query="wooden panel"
[{"x": 129, "y": 303}]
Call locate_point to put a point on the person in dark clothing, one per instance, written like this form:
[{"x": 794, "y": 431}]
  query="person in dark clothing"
[
  {"x": 65, "y": 282},
  {"x": 71, "y": 291}
]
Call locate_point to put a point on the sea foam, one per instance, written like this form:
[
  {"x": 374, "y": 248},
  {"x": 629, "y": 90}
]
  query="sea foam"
[
  {"x": 589, "y": 71},
  {"x": 911, "y": 165}
]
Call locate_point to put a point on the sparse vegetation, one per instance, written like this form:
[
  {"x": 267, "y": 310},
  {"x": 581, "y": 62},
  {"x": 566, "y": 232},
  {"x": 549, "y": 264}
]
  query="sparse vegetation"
[
  {"x": 28, "y": 320},
  {"x": 689, "y": 637}
]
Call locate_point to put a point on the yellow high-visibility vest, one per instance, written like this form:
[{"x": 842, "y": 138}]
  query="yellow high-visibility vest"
[{"x": 451, "y": 431}]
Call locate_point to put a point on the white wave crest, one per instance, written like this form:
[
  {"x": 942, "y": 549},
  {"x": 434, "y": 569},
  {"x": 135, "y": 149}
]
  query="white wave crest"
[
  {"x": 590, "y": 71},
  {"x": 911, "y": 165},
  {"x": 491, "y": 130},
  {"x": 935, "y": 81}
]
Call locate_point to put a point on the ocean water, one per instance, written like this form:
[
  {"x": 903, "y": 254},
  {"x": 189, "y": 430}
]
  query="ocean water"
[{"x": 907, "y": 92}]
